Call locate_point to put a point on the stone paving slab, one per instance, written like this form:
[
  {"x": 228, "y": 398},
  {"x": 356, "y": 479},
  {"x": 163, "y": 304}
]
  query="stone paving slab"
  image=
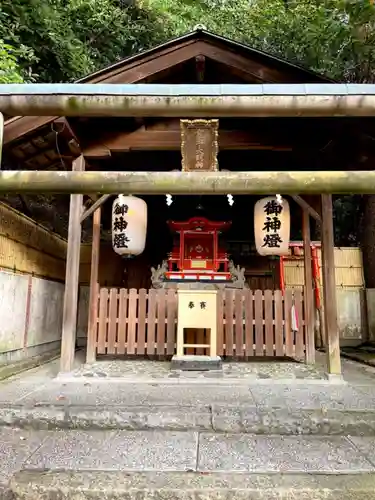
[
  {"x": 15, "y": 391},
  {"x": 93, "y": 393},
  {"x": 216, "y": 417},
  {"x": 122, "y": 450},
  {"x": 183, "y": 451},
  {"x": 264, "y": 454},
  {"x": 313, "y": 396},
  {"x": 33, "y": 485},
  {"x": 366, "y": 445},
  {"x": 310, "y": 396},
  {"x": 292, "y": 421},
  {"x": 15, "y": 447}
]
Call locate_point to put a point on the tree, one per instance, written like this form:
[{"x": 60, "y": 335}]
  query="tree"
[
  {"x": 68, "y": 39},
  {"x": 9, "y": 70},
  {"x": 63, "y": 40},
  {"x": 333, "y": 37}
]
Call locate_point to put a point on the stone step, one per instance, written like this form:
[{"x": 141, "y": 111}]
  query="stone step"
[
  {"x": 215, "y": 417},
  {"x": 34, "y": 485}
]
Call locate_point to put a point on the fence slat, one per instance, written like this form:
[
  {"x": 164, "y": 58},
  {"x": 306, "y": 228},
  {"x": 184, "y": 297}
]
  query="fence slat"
[
  {"x": 161, "y": 323},
  {"x": 132, "y": 319},
  {"x": 229, "y": 322},
  {"x": 137, "y": 322},
  {"x": 279, "y": 340},
  {"x": 238, "y": 316},
  {"x": 288, "y": 334},
  {"x": 112, "y": 322},
  {"x": 103, "y": 313},
  {"x": 151, "y": 317},
  {"x": 249, "y": 330},
  {"x": 268, "y": 322},
  {"x": 171, "y": 324},
  {"x": 300, "y": 335},
  {"x": 258, "y": 314},
  {"x": 220, "y": 323},
  {"x": 121, "y": 332},
  {"x": 141, "y": 338}
]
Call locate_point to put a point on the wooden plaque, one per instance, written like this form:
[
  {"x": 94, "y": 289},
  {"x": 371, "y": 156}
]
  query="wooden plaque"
[{"x": 199, "y": 145}]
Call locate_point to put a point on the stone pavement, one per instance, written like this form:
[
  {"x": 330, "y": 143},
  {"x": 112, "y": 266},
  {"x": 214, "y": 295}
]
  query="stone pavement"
[
  {"x": 115, "y": 436},
  {"x": 30, "y": 458},
  {"x": 149, "y": 399},
  {"x": 182, "y": 451}
]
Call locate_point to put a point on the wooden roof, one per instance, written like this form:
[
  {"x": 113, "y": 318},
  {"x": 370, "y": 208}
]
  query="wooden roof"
[{"x": 198, "y": 57}]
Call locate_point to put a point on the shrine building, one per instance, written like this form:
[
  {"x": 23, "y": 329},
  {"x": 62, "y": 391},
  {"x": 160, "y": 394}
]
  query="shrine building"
[{"x": 236, "y": 245}]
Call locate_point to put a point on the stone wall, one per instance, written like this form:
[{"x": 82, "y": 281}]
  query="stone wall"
[
  {"x": 352, "y": 316},
  {"x": 370, "y": 300},
  {"x": 31, "y": 316}
]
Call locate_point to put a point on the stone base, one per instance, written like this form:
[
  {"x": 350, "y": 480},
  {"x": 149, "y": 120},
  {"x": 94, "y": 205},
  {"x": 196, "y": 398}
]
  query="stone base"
[
  {"x": 335, "y": 379},
  {"x": 196, "y": 363},
  {"x": 115, "y": 485}
]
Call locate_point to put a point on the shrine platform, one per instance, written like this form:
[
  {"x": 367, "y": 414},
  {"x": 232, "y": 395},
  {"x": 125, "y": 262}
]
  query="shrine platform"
[{"x": 98, "y": 435}]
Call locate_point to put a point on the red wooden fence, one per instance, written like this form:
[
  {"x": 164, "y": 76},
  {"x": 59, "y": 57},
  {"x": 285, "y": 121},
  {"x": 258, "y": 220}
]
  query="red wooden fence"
[{"x": 250, "y": 323}]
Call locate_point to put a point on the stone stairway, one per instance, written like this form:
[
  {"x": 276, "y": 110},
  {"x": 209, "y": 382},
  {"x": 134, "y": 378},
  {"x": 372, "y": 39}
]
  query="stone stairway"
[
  {"x": 86, "y": 440},
  {"x": 91, "y": 465},
  {"x": 140, "y": 432}
]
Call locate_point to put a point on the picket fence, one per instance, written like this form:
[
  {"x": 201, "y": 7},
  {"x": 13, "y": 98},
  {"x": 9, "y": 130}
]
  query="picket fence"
[{"x": 250, "y": 323}]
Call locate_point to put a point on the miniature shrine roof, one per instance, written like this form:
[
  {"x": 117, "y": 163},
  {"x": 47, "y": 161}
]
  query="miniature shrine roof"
[{"x": 199, "y": 224}]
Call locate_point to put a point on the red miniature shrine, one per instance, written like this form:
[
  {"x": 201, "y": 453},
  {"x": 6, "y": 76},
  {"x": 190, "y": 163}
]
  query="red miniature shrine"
[{"x": 198, "y": 256}]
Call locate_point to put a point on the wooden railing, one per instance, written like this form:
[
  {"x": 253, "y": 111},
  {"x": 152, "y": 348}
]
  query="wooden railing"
[{"x": 250, "y": 323}]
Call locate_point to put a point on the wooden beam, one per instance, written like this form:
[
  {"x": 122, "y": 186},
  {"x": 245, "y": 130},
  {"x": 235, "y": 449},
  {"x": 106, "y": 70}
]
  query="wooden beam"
[
  {"x": 64, "y": 128},
  {"x": 94, "y": 288},
  {"x": 172, "y": 101},
  {"x": 309, "y": 296},
  {"x": 306, "y": 207},
  {"x": 98, "y": 203},
  {"x": 329, "y": 288},
  {"x": 69, "y": 326},
  {"x": 178, "y": 183},
  {"x": 143, "y": 139},
  {"x": 97, "y": 152},
  {"x": 143, "y": 68},
  {"x": 1, "y": 136},
  {"x": 127, "y": 72},
  {"x": 249, "y": 69},
  {"x": 21, "y": 125},
  {"x": 200, "y": 68}
]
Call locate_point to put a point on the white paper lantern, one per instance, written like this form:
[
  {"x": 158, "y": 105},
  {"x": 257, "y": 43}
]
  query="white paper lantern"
[
  {"x": 129, "y": 225},
  {"x": 272, "y": 226}
]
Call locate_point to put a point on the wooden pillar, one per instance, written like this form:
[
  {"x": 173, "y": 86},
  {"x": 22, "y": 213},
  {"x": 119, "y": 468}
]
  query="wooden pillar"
[
  {"x": 329, "y": 288},
  {"x": 69, "y": 326},
  {"x": 309, "y": 296},
  {"x": 94, "y": 288}
]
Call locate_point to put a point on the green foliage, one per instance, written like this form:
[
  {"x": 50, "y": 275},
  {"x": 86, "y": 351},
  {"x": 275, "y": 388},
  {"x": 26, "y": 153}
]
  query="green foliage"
[
  {"x": 9, "y": 71},
  {"x": 63, "y": 40},
  {"x": 333, "y": 37},
  {"x": 68, "y": 39}
]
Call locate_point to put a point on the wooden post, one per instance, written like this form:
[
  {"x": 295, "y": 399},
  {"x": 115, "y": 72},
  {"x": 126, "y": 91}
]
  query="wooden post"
[
  {"x": 309, "y": 297},
  {"x": 329, "y": 288},
  {"x": 94, "y": 288},
  {"x": 69, "y": 326}
]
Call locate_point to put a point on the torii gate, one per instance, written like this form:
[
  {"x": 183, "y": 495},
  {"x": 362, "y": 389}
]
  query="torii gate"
[{"x": 315, "y": 100}]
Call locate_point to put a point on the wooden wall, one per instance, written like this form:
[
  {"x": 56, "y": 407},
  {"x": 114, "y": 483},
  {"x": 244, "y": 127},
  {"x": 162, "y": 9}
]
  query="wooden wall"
[
  {"x": 348, "y": 269},
  {"x": 27, "y": 247}
]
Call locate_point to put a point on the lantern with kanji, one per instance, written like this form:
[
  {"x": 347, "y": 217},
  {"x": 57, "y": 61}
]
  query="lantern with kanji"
[
  {"x": 129, "y": 225},
  {"x": 272, "y": 226}
]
